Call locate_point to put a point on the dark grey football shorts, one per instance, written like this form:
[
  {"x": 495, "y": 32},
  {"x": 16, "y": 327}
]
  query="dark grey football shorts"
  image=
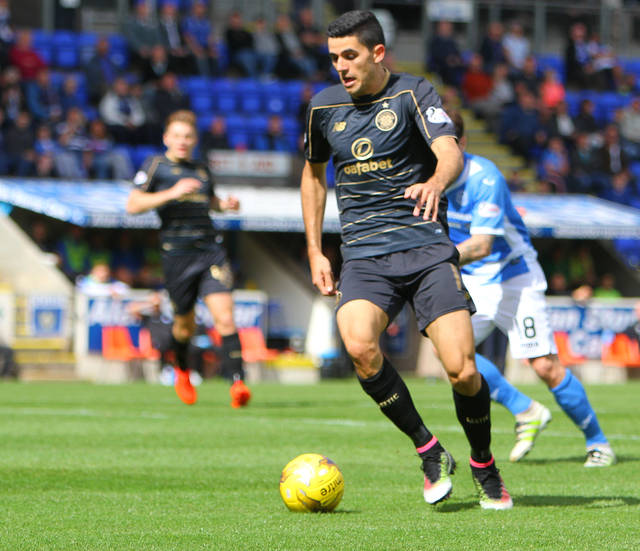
[{"x": 428, "y": 278}]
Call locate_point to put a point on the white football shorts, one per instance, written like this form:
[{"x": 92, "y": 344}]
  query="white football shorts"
[{"x": 517, "y": 307}]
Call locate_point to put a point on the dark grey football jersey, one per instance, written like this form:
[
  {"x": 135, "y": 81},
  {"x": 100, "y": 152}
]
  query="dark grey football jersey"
[
  {"x": 380, "y": 146},
  {"x": 186, "y": 224}
]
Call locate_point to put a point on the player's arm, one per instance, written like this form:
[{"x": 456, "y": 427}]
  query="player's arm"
[
  {"x": 141, "y": 201},
  {"x": 427, "y": 194},
  {"x": 223, "y": 205},
  {"x": 476, "y": 247},
  {"x": 313, "y": 191}
]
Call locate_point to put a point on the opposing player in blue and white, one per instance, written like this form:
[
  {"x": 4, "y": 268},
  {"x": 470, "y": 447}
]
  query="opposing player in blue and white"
[{"x": 501, "y": 272}]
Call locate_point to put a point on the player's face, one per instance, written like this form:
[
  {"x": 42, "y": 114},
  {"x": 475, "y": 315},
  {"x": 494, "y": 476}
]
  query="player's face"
[
  {"x": 358, "y": 67},
  {"x": 180, "y": 139}
]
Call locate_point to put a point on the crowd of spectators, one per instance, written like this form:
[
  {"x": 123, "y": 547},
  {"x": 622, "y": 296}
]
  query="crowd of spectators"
[
  {"x": 527, "y": 108},
  {"x": 74, "y": 124}
]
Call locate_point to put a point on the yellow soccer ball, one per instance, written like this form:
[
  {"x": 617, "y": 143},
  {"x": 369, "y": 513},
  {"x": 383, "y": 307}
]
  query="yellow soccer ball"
[{"x": 311, "y": 482}]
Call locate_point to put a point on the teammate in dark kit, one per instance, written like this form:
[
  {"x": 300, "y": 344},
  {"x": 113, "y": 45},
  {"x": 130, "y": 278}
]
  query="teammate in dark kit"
[
  {"x": 394, "y": 152},
  {"x": 194, "y": 262}
]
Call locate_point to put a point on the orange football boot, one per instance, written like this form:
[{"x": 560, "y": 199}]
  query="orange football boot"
[{"x": 183, "y": 386}]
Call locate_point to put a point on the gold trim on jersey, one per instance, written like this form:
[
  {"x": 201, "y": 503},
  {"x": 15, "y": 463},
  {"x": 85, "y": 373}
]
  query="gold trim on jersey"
[
  {"x": 371, "y": 216},
  {"x": 152, "y": 168},
  {"x": 388, "y": 230},
  {"x": 357, "y": 195}
]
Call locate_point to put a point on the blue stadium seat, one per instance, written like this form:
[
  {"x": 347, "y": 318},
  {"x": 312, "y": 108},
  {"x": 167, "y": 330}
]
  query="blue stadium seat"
[
  {"x": 139, "y": 153},
  {"x": 119, "y": 51},
  {"x": 87, "y": 46},
  {"x": 202, "y": 104},
  {"x": 66, "y": 57},
  {"x": 550, "y": 61},
  {"x": 42, "y": 43}
]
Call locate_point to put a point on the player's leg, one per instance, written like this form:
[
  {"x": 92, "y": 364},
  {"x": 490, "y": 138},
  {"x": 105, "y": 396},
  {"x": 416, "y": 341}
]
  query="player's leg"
[
  {"x": 452, "y": 336},
  {"x": 220, "y": 306},
  {"x": 443, "y": 308},
  {"x": 183, "y": 329},
  {"x": 181, "y": 279},
  {"x": 531, "y": 337},
  {"x": 215, "y": 288},
  {"x": 361, "y": 323},
  {"x": 572, "y": 398}
]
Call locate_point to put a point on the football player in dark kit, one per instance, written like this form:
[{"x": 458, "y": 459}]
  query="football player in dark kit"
[
  {"x": 194, "y": 262},
  {"x": 395, "y": 152}
]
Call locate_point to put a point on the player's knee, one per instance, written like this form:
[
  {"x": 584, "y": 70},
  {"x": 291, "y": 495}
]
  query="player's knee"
[
  {"x": 225, "y": 324},
  {"x": 363, "y": 352},
  {"x": 549, "y": 369},
  {"x": 466, "y": 380}
]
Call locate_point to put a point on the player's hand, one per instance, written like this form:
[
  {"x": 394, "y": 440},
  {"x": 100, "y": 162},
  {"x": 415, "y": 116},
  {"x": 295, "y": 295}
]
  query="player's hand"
[
  {"x": 230, "y": 203},
  {"x": 321, "y": 274},
  {"x": 427, "y": 196},
  {"x": 184, "y": 186}
]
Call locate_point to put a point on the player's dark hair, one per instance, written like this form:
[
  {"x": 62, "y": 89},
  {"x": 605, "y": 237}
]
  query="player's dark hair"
[
  {"x": 458, "y": 122},
  {"x": 361, "y": 24},
  {"x": 183, "y": 115}
]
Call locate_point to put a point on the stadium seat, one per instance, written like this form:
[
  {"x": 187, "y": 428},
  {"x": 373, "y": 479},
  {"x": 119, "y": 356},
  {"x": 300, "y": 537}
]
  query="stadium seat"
[
  {"x": 119, "y": 51},
  {"x": 86, "y": 46},
  {"x": 565, "y": 354},
  {"x": 66, "y": 57},
  {"x": 254, "y": 346},
  {"x": 201, "y": 103}
]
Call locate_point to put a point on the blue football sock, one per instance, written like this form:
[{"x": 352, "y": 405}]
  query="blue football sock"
[
  {"x": 572, "y": 398},
  {"x": 501, "y": 390}
]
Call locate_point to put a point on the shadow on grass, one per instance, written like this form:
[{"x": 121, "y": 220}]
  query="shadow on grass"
[
  {"x": 575, "y": 459},
  {"x": 585, "y": 502}
]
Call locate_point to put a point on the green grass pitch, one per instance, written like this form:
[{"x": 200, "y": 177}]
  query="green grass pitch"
[{"x": 129, "y": 467}]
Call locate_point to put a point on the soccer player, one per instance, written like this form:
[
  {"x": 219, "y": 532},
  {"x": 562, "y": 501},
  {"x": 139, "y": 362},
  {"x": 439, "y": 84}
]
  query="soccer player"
[
  {"x": 394, "y": 151},
  {"x": 194, "y": 261},
  {"x": 501, "y": 271}
]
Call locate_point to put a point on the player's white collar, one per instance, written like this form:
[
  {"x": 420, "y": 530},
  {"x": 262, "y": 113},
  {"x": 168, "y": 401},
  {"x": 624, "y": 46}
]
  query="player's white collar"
[{"x": 470, "y": 168}]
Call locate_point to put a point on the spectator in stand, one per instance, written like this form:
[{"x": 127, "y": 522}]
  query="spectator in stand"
[
  {"x": 557, "y": 285},
  {"x": 443, "y": 56},
  {"x": 516, "y": 47},
  {"x": 552, "y": 91},
  {"x": 564, "y": 124},
  {"x": 607, "y": 287},
  {"x": 313, "y": 40},
  {"x": 266, "y": 48},
  {"x": 239, "y": 41},
  {"x": 123, "y": 114},
  {"x": 293, "y": 61},
  {"x": 167, "y": 98},
  {"x": 274, "y": 138},
  {"x": 101, "y": 71},
  {"x": 554, "y": 164},
  {"x": 72, "y": 140},
  {"x": 43, "y": 99},
  {"x": 70, "y": 94},
  {"x": 142, "y": 33},
  {"x": 65, "y": 164},
  {"x": 215, "y": 137},
  {"x": 180, "y": 60},
  {"x": 105, "y": 161},
  {"x": 127, "y": 257},
  {"x": 24, "y": 57},
  {"x": 7, "y": 36},
  {"x": 200, "y": 40},
  {"x": 603, "y": 60},
  {"x": 100, "y": 250},
  {"x": 581, "y": 266},
  {"x": 156, "y": 65},
  {"x": 19, "y": 144},
  {"x": 476, "y": 84},
  {"x": 13, "y": 101},
  {"x": 100, "y": 283},
  {"x": 528, "y": 77},
  {"x": 624, "y": 83},
  {"x": 501, "y": 94},
  {"x": 629, "y": 120},
  {"x": 577, "y": 60},
  {"x": 305, "y": 99},
  {"x": 620, "y": 189},
  {"x": 73, "y": 250},
  {"x": 585, "y": 121},
  {"x": 40, "y": 235},
  {"x": 613, "y": 158},
  {"x": 584, "y": 163},
  {"x": 492, "y": 49},
  {"x": 519, "y": 126}
]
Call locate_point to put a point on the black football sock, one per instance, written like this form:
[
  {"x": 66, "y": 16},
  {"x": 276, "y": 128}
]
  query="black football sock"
[
  {"x": 232, "y": 365},
  {"x": 181, "y": 351},
  {"x": 474, "y": 414},
  {"x": 389, "y": 391}
]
